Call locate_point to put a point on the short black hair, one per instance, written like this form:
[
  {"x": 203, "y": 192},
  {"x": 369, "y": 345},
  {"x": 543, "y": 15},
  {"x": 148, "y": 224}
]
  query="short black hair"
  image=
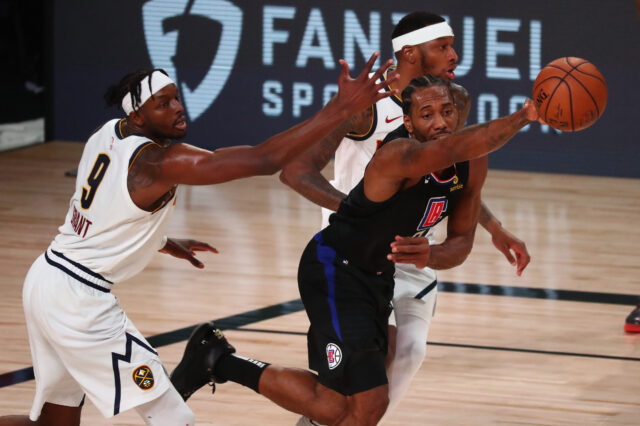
[
  {"x": 426, "y": 80},
  {"x": 415, "y": 21},
  {"x": 130, "y": 83}
]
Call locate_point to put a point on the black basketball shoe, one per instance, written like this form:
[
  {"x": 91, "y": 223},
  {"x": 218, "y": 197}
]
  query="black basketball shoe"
[
  {"x": 205, "y": 347},
  {"x": 632, "y": 324}
]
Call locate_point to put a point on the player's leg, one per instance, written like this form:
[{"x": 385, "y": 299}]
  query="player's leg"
[
  {"x": 413, "y": 309},
  {"x": 168, "y": 409},
  {"x": 294, "y": 389},
  {"x": 51, "y": 415},
  {"x": 59, "y": 398},
  {"x": 102, "y": 352}
]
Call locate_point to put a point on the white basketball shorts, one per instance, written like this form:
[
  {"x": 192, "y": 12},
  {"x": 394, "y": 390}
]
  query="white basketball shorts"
[
  {"x": 415, "y": 292},
  {"x": 83, "y": 343}
]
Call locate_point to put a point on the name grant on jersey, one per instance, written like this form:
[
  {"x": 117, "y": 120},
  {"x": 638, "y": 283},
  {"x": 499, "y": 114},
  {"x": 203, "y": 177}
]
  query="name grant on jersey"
[{"x": 80, "y": 223}]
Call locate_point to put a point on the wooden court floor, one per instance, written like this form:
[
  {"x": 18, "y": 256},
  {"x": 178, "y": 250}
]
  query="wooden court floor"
[{"x": 547, "y": 348}]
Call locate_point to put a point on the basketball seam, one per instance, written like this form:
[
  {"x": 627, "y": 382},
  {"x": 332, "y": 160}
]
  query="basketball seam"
[{"x": 588, "y": 93}]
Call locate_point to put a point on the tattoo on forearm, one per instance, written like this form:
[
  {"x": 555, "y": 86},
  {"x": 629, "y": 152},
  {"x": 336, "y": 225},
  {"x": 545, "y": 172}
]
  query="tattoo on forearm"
[{"x": 484, "y": 217}]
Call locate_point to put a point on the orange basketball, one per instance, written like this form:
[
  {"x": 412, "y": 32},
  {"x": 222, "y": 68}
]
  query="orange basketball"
[{"x": 570, "y": 94}]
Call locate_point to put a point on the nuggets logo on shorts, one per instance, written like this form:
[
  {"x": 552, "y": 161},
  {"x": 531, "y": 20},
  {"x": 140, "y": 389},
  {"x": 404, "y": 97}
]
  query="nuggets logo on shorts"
[
  {"x": 143, "y": 377},
  {"x": 334, "y": 355}
]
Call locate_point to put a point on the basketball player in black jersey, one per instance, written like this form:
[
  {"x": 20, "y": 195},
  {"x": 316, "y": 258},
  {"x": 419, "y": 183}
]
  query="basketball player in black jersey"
[{"x": 345, "y": 277}]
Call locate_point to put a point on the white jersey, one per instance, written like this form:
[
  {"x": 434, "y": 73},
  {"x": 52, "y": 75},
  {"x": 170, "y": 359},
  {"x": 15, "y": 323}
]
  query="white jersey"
[
  {"x": 351, "y": 159},
  {"x": 104, "y": 231}
]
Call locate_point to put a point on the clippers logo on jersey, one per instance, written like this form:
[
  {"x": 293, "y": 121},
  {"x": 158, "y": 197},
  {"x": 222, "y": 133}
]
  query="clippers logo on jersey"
[
  {"x": 143, "y": 377},
  {"x": 334, "y": 355},
  {"x": 433, "y": 212}
]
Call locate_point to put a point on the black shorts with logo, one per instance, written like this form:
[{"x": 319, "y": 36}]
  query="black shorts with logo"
[{"x": 348, "y": 309}]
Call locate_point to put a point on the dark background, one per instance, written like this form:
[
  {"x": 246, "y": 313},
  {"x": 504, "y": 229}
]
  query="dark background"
[{"x": 92, "y": 44}]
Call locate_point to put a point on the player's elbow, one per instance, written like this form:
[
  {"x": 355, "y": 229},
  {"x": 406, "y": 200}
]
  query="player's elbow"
[{"x": 288, "y": 175}]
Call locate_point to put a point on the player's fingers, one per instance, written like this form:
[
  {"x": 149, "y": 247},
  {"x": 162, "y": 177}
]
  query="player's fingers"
[
  {"x": 380, "y": 71},
  {"x": 508, "y": 255},
  {"x": 344, "y": 69},
  {"x": 410, "y": 248},
  {"x": 369, "y": 66},
  {"x": 385, "y": 94},
  {"x": 195, "y": 262},
  {"x": 200, "y": 246},
  {"x": 523, "y": 261},
  {"x": 385, "y": 83}
]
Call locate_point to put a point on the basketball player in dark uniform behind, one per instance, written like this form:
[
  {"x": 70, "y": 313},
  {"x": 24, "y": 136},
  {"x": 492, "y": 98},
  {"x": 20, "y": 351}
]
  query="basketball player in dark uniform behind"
[{"x": 345, "y": 275}]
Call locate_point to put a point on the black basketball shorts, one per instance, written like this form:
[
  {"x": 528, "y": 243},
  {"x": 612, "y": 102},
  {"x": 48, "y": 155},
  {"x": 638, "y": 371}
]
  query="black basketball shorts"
[{"x": 348, "y": 309}]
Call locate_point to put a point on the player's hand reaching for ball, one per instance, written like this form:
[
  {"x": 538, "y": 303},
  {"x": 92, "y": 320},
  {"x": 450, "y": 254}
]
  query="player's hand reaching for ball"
[
  {"x": 186, "y": 249},
  {"x": 356, "y": 94},
  {"x": 413, "y": 250},
  {"x": 532, "y": 111}
]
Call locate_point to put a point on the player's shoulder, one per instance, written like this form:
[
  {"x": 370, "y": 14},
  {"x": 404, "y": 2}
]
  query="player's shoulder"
[
  {"x": 459, "y": 92},
  {"x": 399, "y": 132}
]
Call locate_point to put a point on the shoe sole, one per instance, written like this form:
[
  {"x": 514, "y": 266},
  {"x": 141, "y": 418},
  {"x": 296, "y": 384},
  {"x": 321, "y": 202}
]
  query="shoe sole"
[{"x": 632, "y": 328}]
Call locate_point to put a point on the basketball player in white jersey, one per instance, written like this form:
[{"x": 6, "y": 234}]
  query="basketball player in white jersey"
[
  {"x": 422, "y": 42},
  {"x": 82, "y": 343}
]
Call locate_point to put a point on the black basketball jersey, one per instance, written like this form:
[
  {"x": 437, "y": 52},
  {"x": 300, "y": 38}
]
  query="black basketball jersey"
[{"x": 361, "y": 231}]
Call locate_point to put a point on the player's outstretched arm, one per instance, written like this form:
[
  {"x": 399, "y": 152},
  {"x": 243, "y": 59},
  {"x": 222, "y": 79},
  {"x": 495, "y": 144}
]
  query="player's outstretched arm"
[
  {"x": 504, "y": 240},
  {"x": 189, "y": 165},
  {"x": 407, "y": 158},
  {"x": 303, "y": 173}
]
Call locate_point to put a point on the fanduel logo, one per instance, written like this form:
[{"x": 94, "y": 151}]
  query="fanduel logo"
[{"x": 163, "y": 22}]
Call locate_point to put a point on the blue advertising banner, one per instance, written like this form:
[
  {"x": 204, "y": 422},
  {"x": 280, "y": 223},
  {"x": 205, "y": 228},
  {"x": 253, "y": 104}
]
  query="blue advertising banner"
[{"x": 248, "y": 69}]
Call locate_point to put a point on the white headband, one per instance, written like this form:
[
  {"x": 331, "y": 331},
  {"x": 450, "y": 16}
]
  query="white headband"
[
  {"x": 158, "y": 81},
  {"x": 422, "y": 35}
]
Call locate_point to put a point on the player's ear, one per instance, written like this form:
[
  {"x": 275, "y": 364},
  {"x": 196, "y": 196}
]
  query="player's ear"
[
  {"x": 408, "y": 124},
  {"x": 137, "y": 118},
  {"x": 410, "y": 54}
]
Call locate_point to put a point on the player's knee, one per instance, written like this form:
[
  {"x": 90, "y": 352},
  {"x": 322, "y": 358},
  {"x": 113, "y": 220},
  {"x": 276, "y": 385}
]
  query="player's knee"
[
  {"x": 412, "y": 353},
  {"x": 369, "y": 407},
  {"x": 371, "y": 412}
]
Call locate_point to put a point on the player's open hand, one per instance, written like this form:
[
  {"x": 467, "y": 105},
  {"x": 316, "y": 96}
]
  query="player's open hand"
[
  {"x": 356, "y": 94},
  {"x": 507, "y": 243},
  {"x": 186, "y": 249},
  {"x": 413, "y": 250}
]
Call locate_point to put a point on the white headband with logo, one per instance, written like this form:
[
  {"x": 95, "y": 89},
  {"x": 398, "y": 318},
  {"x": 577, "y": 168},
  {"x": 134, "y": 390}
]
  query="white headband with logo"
[
  {"x": 422, "y": 35},
  {"x": 158, "y": 81}
]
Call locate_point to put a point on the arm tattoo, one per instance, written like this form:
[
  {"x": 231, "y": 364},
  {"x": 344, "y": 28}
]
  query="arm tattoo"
[
  {"x": 145, "y": 169},
  {"x": 485, "y": 216}
]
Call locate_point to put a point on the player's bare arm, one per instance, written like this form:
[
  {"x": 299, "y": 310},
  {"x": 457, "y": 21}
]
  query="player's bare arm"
[
  {"x": 502, "y": 239},
  {"x": 462, "y": 222},
  {"x": 399, "y": 162},
  {"x": 303, "y": 174},
  {"x": 513, "y": 248},
  {"x": 186, "y": 164}
]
